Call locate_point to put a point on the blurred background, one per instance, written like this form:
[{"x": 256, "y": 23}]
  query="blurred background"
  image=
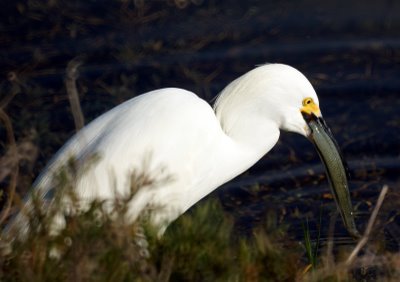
[{"x": 349, "y": 50}]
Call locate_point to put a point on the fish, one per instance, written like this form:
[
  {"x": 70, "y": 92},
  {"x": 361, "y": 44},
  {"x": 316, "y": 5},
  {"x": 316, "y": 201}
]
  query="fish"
[{"x": 335, "y": 167}]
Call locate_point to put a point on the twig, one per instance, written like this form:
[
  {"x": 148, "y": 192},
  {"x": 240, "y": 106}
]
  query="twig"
[
  {"x": 368, "y": 230},
  {"x": 15, "y": 168},
  {"x": 70, "y": 83},
  {"x": 329, "y": 248},
  {"x": 166, "y": 268},
  {"x": 16, "y": 89}
]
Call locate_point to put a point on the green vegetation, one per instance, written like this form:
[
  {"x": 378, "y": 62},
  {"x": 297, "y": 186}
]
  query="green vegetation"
[
  {"x": 202, "y": 245},
  {"x": 311, "y": 249}
]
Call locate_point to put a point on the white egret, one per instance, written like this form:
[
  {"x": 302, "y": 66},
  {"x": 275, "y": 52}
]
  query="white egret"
[{"x": 180, "y": 135}]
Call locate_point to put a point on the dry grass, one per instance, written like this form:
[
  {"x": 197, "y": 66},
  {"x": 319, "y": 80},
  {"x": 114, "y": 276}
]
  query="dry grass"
[
  {"x": 95, "y": 246},
  {"x": 200, "y": 246}
]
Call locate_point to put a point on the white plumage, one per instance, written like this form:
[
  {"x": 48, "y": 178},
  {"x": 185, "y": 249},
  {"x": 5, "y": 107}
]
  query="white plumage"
[{"x": 177, "y": 134}]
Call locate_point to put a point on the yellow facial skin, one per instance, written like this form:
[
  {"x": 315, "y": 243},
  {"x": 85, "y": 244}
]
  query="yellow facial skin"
[{"x": 309, "y": 107}]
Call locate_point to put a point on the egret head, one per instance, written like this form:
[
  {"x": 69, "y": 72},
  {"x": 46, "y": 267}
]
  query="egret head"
[
  {"x": 293, "y": 97},
  {"x": 273, "y": 93}
]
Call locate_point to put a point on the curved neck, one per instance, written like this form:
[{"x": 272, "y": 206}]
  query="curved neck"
[{"x": 241, "y": 112}]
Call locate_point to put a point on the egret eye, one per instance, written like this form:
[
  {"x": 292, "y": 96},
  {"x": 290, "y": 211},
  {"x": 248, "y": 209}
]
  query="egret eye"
[{"x": 307, "y": 101}]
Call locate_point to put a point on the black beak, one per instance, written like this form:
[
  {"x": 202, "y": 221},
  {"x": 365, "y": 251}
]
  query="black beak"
[{"x": 335, "y": 166}]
